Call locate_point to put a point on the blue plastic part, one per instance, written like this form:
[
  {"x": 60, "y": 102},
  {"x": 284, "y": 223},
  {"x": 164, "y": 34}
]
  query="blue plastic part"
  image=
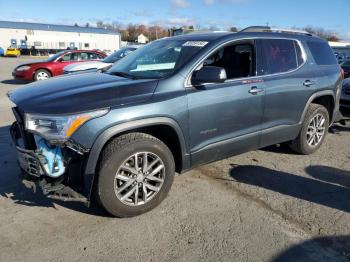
[{"x": 54, "y": 160}]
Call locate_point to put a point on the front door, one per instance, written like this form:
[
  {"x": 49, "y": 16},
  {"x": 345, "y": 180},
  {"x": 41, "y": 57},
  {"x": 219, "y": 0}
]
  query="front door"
[
  {"x": 65, "y": 60},
  {"x": 225, "y": 118}
]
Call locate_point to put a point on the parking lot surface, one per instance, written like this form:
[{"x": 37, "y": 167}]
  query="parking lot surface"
[{"x": 265, "y": 205}]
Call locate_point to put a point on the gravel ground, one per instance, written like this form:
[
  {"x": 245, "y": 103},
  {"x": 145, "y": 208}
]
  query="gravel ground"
[{"x": 265, "y": 205}]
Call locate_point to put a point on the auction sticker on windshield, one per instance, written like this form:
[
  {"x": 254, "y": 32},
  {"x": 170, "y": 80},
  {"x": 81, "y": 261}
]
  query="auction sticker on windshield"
[{"x": 195, "y": 43}]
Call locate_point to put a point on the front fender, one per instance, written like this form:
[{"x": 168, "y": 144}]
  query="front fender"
[{"x": 105, "y": 136}]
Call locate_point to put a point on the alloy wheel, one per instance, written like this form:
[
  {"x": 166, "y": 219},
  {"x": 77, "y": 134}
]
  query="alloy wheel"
[
  {"x": 139, "y": 178},
  {"x": 42, "y": 76},
  {"x": 316, "y": 130}
]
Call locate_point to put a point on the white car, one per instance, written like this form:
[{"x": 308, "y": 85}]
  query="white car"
[{"x": 98, "y": 65}]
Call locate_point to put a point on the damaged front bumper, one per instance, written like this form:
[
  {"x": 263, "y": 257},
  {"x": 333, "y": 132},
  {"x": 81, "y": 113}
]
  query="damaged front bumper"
[
  {"x": 44, "y": 161},
  {"x": 55, "y": 170}
]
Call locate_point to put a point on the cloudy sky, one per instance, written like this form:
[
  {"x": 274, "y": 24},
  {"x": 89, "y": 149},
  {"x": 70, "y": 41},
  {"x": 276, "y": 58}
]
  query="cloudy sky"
[{"x": 331, "y": 15}]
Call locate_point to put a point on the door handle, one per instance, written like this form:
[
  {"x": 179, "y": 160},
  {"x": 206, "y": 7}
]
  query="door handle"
[
  {"x": 254, "y": 90},
  {"x": 308, "y": 83}
]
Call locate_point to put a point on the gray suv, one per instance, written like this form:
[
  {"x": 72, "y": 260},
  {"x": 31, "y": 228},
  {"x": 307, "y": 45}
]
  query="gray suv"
[{"x": 170, "y": 106}]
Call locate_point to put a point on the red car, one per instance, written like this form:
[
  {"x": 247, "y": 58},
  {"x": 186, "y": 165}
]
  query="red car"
[{"x": 54, "y": 65}]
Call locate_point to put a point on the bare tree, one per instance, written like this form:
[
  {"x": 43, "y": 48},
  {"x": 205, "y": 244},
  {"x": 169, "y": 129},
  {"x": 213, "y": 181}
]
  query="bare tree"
[
  {"x": 213, "y": 28},
  {"x": 233, "y": 29},
  {"x": 99, "y": 24},
  {"x": 323, "y": 33}
]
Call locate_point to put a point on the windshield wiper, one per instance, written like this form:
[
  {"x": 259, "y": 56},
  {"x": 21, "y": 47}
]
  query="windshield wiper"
[{"x": 123, "y": 74}]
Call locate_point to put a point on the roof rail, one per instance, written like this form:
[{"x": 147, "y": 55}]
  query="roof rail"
[{"x": 276, "y": 30}]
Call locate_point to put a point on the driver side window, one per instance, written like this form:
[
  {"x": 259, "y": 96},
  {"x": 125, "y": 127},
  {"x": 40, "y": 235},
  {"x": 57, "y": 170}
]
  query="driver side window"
[{"x": 238, "y": 60}]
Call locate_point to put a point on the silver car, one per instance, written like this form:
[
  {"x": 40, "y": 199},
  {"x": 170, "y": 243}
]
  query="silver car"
[{"x": 98, "y": 65}]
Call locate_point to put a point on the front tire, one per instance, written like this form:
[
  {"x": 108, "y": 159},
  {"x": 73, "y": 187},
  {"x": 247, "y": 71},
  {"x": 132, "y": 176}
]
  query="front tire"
[
  {"x": 42, "y": 74},
  {"x": 313, "y": 131},
  {"x": 136, "y": 173}
]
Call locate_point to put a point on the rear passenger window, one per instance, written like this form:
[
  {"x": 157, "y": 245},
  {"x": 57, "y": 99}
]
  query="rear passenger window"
[
  {"x": 322, "y": 53},
  {"x": 84, "y": 56},
  {"x": 281, "y": 55},
  {"x": 94, "y": 56}
]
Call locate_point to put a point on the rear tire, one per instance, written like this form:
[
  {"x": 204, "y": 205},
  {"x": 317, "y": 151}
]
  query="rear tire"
[
  {"x": 42, "y": 74},
  {"x": 313, "y": 131},
  {"x": 126, "y": 173}
]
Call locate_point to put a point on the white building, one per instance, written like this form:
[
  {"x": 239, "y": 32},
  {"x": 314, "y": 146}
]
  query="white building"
[
  {"x": 339, "y": 44},
  {"x": 142, "y": 39},
  {"x": 56, "y": 37}
]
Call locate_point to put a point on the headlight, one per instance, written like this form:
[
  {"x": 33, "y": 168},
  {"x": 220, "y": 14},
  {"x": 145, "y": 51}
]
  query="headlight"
[
  {"x": 59, "y": 127},
  {"x": 22, "y": 68}
]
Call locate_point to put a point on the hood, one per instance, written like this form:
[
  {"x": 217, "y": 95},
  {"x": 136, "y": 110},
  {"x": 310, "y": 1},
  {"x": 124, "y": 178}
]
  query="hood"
[
  {"x": 85, "y": 66},
  {"x": 78, "y": 93},
  {"x": 32, "y": 63}
]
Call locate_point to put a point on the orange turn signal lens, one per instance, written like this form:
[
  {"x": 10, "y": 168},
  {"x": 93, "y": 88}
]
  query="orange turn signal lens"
[{"x": 76, "y": 123}]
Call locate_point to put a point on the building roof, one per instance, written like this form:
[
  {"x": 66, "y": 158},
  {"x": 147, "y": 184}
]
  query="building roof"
[
  {"x": 58, "y": 28},
  {"x": 142, "y": 35}
]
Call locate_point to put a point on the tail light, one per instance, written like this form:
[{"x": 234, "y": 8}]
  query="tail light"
[{"x": 342, "y": 73}]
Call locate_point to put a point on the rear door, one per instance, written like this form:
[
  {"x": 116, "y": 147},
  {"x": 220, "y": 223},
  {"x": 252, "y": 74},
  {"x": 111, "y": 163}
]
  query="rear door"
[{"x": 288, "y": 86}]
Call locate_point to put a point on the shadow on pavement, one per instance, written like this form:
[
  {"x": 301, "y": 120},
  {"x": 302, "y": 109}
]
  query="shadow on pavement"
[
  {"x": 308, "y": 189},
  {"x": 320, "y": 249},
  {"x": 330, "y": 174},
  {"x": 15, "y": 82},
  {"x": 336, "y": 128},
  {"x": 11, "y": 186},
  {"x": 284, "y": 148},
  {"x": 279, "y": 149}
]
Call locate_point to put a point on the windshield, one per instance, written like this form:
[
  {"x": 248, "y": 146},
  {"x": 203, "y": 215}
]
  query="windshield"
[
  {"x": 157, "y": 59},
  {"x": 54, "y": 57},
  {"x": 118, "y": 55}
]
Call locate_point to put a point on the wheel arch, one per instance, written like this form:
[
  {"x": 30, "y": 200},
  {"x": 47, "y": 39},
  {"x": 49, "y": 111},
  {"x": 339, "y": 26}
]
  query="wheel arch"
[
  {"x": 41, "y": 68},
  {"x": 328, "y": 102},
  {"x": 325, "y": 98},
  {"x": 164, "y": 128}
]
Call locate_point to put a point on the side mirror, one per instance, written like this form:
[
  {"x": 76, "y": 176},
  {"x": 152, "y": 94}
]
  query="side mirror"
[
  {"x": 209, "y": 74},
  {"x": 60, "y": 59}
]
